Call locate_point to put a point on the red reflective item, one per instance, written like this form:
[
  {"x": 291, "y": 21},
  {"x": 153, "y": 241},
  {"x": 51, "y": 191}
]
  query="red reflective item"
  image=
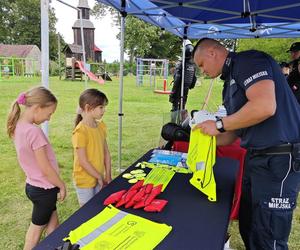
[
  {"x": 137, "y": 185},
  {"x": 156, "y": 205},
  {"x": 147, "y": 199},
  {"x": 155, "y": 191},
  {"x": 126, "y": 197},
  {"x": 113, "y": 198},
  {"x": 140, "y": 194}
]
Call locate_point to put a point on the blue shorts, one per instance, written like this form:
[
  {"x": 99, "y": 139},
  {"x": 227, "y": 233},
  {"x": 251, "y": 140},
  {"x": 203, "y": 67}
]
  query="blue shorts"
[
  {"x": 85, "y": 194},
  {"x": 44, "y": 203}
]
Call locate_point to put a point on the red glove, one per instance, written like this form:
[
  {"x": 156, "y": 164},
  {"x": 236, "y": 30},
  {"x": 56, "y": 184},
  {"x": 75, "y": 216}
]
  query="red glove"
[
  {"x": 126, "y": 197},
  {"x": 155, "y": 191},
  {"x": 142, "y": 192},
  {"x": 129, "y": 204},
  {"x": 113, "y": 198},
  {"x": 147, "y": 199},
  {"x": 137, "y": 185},
  {"x": 156, "y": 206}
]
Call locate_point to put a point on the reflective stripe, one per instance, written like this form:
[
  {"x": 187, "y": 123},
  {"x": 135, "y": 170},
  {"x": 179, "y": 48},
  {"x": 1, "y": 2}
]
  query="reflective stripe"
[
  {"x": 282, "y": 182},
  {"x": 101, "y": 229}
]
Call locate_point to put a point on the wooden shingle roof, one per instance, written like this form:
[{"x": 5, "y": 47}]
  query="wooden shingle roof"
[{"x": 8, "y": 50}]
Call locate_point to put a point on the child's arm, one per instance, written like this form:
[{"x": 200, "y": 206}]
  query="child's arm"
[
  {"x": 48, "y": 171},
  {"x": 84, "y": 162},
  {"x": 107, "y": 163}
]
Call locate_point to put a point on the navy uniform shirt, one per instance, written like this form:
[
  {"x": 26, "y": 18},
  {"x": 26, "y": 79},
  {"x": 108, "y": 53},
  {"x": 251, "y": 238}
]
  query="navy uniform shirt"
[{"x": 242, "y": 70}]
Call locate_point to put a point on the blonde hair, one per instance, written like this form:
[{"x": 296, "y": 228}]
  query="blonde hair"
[
  {"x": 36, "y": 96},
  {"x": 92, "y": 97}
]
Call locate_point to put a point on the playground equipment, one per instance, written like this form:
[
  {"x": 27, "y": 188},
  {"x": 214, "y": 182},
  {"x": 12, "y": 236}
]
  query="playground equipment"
[
  {"x": 154, "y": 71},
  {"x": 164, "y": 90},
  {"x": 76, "y": 68},
  {"x": 89, "y": 73},
  {"x": 100, "y": 70},
  {"x": 12, "y": 66}
]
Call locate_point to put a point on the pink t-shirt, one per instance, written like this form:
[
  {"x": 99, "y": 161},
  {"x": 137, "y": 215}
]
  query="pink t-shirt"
[{"x": 27, "y": 138}]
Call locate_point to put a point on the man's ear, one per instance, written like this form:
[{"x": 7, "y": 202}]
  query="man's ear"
[{"x": 211, "y": 52}]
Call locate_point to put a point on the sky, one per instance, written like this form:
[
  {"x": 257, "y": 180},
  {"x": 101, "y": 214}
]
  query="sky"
[{"x": 105, "y": 32}]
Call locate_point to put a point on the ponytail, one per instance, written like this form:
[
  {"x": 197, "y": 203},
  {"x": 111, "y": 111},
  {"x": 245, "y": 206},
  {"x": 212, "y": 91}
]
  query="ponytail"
[
  {"x": 13, "y": 118},
  {"x": 78, "y": 119}
]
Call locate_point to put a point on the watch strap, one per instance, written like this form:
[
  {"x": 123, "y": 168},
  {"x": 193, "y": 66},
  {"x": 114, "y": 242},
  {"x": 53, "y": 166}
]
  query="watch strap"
[{"x": 222, "y": 130}]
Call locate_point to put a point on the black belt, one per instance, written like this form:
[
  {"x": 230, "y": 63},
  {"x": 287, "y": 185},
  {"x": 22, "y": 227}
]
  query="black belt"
[{"x": 276, "y": 150}]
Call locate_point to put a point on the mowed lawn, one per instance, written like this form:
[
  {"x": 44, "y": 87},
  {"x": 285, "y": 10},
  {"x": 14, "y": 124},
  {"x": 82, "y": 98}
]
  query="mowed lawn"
[{"x": 144, "y": 115}]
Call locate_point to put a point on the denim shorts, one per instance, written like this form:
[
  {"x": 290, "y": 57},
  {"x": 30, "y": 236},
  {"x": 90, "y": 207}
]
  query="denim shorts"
[
  {"x": 85, "y": 194},
  {"x": 44, "y": 203}
]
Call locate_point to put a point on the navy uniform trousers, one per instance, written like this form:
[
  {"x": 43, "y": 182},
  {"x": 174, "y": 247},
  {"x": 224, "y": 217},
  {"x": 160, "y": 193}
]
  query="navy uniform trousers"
[{"x": 269, "y": 194}]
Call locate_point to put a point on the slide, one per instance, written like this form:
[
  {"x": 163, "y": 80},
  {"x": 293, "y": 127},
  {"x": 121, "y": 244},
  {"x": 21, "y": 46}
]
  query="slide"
[{"x": 89, "y": 73}]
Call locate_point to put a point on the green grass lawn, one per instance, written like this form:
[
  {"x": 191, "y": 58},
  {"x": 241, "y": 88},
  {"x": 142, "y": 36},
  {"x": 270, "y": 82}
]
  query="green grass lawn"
[{"x": 144, "y": 115}]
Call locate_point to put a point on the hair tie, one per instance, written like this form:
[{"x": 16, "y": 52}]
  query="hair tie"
[
  {"x": 21, "y": 99},
  {"x": 79, "y": 111}
]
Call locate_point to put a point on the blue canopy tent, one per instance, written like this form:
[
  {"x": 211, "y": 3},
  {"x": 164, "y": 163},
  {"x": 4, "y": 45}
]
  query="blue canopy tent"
[
  {"x": 217, "y": 19},
  {"x": 194, "y": 19}
]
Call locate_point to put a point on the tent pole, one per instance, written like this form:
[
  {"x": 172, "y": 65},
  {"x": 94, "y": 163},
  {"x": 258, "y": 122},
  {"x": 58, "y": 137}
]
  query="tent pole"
[
  {"x": 45, "y": 50},
  {"x": 83, "y": 46},
  {"x": 123, "y": 16}
]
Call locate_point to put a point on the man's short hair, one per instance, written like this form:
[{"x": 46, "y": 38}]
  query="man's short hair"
[
  {"x": 284, "y": 64},
  {"x": 202, "y": 40},
  {"x": 294, "y": 47}
]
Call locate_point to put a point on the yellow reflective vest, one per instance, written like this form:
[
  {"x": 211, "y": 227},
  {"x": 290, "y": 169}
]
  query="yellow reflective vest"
[
  {"x": 201, "y": 159},
  {"x": 116, "y": 229}
]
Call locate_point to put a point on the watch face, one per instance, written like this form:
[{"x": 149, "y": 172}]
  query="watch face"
[{"x": 219, "y": 124}]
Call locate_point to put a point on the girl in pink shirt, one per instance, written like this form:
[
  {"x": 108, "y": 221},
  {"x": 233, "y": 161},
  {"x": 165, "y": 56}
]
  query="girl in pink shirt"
[{"x": 37, "y": 159}]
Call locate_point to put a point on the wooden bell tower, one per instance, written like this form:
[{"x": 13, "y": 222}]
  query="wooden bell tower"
[{"x": 88, "y": 30}]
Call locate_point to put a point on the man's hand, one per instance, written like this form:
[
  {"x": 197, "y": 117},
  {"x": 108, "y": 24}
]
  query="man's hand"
[{"x": 208, "y": 127}]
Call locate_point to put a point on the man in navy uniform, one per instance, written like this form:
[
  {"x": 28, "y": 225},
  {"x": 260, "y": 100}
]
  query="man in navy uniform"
[
  {"x": 264, "y": 113},
  {"x": 294, "y": 76}
]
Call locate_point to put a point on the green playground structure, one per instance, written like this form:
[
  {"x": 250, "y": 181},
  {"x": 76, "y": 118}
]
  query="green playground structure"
[{"x": 13, "y": 66}]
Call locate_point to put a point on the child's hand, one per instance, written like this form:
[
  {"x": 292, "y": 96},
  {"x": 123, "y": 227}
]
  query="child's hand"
[
  {"x": 107, "y": 180},
  {"x": 100, "y": 182},
  {"x": 62, "y": 193}
]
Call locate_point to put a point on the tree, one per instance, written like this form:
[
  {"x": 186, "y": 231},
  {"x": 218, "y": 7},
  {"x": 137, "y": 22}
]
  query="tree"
[
  {"x": 21, "y": 22},
  {"x": 164, "y": 46},
  {"x": 276, "y": 47},
  {"x": 142, "y": 39}
]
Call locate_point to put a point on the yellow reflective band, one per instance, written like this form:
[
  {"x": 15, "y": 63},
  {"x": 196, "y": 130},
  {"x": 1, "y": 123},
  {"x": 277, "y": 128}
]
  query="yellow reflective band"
[
  {"x": 132, "y": 181},
  {"x": 159, "y": 176},
  {"x": 127, "y": 176},
  {"x": 180, "y": 170},
  {"x": 201, "y": 159},
  {"x": 115, "y": 229},
  {"x": 137, "y": 171}
]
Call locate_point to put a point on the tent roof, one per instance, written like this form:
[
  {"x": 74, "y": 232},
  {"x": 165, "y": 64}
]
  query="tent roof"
[{"x": 218, "y": 18}]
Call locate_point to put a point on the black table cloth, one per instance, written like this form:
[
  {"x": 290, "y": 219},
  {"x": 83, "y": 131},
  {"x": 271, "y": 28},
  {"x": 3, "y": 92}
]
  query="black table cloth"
[{"x": 197, "y": 223}]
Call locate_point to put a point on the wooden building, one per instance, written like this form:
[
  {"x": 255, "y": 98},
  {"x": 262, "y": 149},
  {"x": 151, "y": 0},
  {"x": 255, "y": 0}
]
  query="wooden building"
[
  {"x": 30, "y": 54},
  {"x": 88, "y": 30}
]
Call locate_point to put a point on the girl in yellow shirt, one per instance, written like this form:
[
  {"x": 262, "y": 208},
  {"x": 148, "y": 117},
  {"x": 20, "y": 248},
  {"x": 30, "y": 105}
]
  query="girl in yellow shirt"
[{"x": 92, "y": 161}]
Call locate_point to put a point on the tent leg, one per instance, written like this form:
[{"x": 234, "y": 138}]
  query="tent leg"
[
  {"x": 45, "y": 50},
  {"x": 121, "y": 90}
]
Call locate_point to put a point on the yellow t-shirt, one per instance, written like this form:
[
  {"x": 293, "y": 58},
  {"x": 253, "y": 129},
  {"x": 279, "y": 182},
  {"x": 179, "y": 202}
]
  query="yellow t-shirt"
[{"x": 92, "y": 139}]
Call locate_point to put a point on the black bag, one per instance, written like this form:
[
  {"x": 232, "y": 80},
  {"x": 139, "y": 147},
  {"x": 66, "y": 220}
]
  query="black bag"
[{"x": 173, "y": 132}]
